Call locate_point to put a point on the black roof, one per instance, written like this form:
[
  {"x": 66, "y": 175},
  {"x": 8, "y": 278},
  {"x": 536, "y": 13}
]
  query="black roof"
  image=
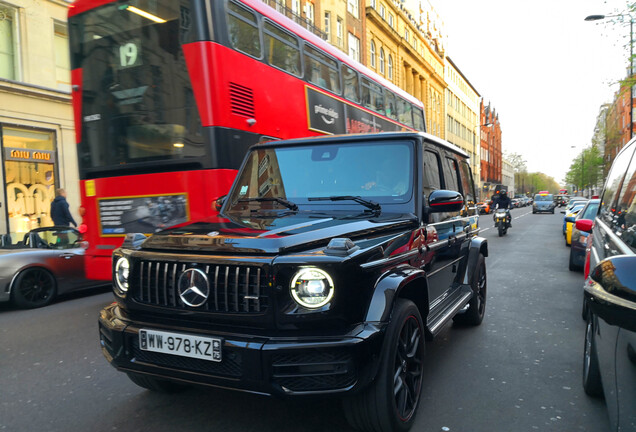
[{"x": 350, "y": 138}]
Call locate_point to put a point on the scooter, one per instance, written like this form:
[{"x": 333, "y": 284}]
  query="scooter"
[{"x": 501, "y": 221}]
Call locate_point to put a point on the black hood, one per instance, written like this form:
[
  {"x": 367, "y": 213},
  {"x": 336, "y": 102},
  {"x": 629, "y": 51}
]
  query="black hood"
[{"x": 272, "y": 234}]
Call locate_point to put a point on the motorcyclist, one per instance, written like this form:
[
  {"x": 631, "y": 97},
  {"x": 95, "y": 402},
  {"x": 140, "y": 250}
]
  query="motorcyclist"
[{"x": 503, "y": 201}]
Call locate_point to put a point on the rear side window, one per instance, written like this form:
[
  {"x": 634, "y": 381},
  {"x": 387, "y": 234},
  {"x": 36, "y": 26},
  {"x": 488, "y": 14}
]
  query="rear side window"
[
  {"x": 625, "y": 225},
  {"x": 613, "y": 185},
  {"x": 350, "y": 81},
  {"x": 451, "y": 175},
  {"x": 467, "y": 183},
  {"x": 243, "y": 30},
  {"x": 431, "y": 172}
]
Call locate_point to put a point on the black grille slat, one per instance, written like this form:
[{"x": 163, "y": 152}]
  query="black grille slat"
[
  {"x": 241, "y": 100},
  {"x": 233, "y": 289}
]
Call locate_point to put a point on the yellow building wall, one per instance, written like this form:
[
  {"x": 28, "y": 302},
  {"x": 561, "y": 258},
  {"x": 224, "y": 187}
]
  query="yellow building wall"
[
  {"x": 417, "y": 67},
  {"x": 36, "y": 100}
]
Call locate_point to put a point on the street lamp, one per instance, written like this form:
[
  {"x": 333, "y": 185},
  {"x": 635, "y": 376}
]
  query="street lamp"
[
  {"x": 631, "y": 62},
  {"x": 475, "y": 148}
]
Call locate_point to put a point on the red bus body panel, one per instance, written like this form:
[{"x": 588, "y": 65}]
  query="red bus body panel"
[{"x": 201, "y": 187}]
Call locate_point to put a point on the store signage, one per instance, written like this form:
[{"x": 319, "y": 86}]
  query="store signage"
[{"x": 28, "y": 155}]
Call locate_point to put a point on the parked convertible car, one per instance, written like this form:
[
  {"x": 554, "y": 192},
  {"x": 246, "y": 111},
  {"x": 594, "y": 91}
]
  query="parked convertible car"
[{"x": 44, "y": 263}]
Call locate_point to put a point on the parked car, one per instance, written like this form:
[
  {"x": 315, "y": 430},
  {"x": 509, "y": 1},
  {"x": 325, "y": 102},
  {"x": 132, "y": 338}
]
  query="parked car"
[
  {"x": 568, "y": 222},
  {"x": 43, "y": 264},
  {"x": 578, "y": 239},
  {"x": 572, "y": 202},
  {"x": 483, "y": 207},
  {"x": 543, "y": 202},
  {"x": 609, "y": 356},
  {"x": 333, "y": 259}
]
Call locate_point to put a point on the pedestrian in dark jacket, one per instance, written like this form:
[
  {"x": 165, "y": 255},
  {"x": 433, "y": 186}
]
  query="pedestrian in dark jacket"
[{"x": 59, "y": 209}]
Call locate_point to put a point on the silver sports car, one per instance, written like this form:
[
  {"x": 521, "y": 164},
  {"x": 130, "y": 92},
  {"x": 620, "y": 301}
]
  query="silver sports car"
[{"x": 44, "y": 263}]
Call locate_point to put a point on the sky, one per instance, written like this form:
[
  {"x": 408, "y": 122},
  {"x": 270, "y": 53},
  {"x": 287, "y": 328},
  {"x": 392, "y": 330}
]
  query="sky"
[{"x": 543, "y": 68}]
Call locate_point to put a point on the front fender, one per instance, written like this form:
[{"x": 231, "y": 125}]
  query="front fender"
[
  {"x": 387, "y": 289},
  {"x": 478, "y": 245}
]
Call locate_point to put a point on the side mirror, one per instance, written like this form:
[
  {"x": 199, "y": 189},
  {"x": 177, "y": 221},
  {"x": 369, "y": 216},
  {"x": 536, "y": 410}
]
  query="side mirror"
[
  {"x": 218, "y": 203},
  {"x": 440, "y": 201},
  {"x": 584, "y": 225},
  {"x": 610, "y": 292},
  {"x": 569, "y": 219}
]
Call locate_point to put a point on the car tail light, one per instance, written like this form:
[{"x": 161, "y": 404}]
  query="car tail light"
[{"x": 588, "y": 253}]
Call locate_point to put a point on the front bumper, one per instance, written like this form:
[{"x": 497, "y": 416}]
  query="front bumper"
[{"x": 274, "y": 366}]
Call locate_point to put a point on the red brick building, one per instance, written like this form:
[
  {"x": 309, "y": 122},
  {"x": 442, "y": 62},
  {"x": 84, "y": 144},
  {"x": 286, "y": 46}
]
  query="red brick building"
[
  {"x": 618, "y": 121},
  {"x": 490, "y": 149}
]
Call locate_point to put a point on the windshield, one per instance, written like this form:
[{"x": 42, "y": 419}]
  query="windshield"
[
  {"x": 381, "y": 172},
  {"x": 137, "y": 100},
  {"x": 590, "y": 211},
  {"x": 543, "y": 197}
]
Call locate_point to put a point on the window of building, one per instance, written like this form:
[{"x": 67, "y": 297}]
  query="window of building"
[
  {"x": 295, "y": 6},
  {"x": 9, "y": 43},
  {"x": 390, "y": 67},
  {"x": 373, "y": 4},
  {"x": 415, "y": 44},
  {"x": 382, "y": 61},
  {"x": 328, "y": 25},
  {"x": 62, "y": 57},
  {"x": 382, "y": 10},
  {"x": 391, "y": 20},
  {"x": 352, "y": 7},
  {"x": 310, "y": 12},
  {"x": 372, "y": 54},
  {"x": 339, "y": 32},
  {"x": 354, "y": 47},
  {"x": 407, "y": 35}
]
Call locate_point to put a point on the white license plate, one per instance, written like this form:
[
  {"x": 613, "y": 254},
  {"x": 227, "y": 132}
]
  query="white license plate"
[{"x": 180, "y": 344}]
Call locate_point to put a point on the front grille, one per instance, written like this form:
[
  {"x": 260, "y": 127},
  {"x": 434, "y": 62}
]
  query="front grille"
[
  {"x": 314, "y": 370},
  {"x": 230, "y": 366},
  {"x": 233, "y": 289}
]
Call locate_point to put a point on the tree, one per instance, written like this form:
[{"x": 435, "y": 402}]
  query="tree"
[
  {"x": 517, "y": 161},
  {"x": 586, "y": 170}
]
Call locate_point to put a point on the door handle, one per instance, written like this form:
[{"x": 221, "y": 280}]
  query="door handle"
[{"x": 67, "y": 256}]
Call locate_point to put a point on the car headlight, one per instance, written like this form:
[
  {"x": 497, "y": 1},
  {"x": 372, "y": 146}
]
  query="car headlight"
[
  {"x": 122, "y": 270},
  {"x": 312, "y": 288}
]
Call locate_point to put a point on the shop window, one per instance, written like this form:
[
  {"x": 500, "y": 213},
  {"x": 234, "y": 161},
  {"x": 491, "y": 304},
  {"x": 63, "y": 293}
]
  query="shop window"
[{"x": 29, "y": 174}]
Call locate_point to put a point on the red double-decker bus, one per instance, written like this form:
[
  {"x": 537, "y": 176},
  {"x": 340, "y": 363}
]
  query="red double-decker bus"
[{"x": 169, "y": 94}]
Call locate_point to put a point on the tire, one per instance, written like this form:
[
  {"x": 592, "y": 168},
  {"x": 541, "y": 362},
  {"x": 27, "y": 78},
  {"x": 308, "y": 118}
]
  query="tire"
[
  {"x": 572, "y": 265},
  {"x": 592, "y": 383},
  {"x": 500, "y": 228},
  {"x": 390, "y": 402},
  {"x": 155, "y": 384},
  {"x": 33, "y": 288},
  {"x": 477, "y": 305},
  {"x": 534, "y": 212},
  {"x": 552, "y": 211}
]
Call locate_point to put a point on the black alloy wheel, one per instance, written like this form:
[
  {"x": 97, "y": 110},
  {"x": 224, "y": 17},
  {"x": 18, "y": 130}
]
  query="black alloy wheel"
[
  {"x": 33, "y": 288},
  {"x": 592, "y": 383},
  {"x": 477, "y": 305},
  {"x": 390, "y": 402}
]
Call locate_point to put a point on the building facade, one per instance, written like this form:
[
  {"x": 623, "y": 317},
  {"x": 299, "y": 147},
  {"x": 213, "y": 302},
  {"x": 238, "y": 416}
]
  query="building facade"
[
  {"x": 399, "y": 49},
  {"x": 36, "y": 118},
  {"x": 491, "y": 155},
  {"x": 508, "y": 177},
  {"x": 462, "y": 115},
  {"x": 619, "y": 124}
]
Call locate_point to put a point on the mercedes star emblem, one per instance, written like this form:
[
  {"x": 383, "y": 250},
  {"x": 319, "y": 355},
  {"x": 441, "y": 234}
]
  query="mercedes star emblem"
[{"x": 193, "y": 287}]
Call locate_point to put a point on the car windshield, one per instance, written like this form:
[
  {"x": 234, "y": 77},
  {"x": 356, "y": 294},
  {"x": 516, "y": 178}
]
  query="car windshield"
[
  {"x": 376, "y": 171},
  {"x": 590, "y": 211},
  {"x": 543, "y": 197}
]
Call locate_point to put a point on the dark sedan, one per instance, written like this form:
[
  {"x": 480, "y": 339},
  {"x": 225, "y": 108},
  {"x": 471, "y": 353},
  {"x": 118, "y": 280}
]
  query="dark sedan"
[{"x": 44, "y": 263}]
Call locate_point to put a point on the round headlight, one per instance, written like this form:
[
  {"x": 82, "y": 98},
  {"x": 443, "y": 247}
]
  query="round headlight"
[
  {"x": 312, "y": 288},
  {"x": 122, "y": 268}
]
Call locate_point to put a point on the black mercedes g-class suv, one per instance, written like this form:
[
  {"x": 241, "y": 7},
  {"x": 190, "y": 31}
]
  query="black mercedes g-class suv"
[{"x": 331, "y": 261}]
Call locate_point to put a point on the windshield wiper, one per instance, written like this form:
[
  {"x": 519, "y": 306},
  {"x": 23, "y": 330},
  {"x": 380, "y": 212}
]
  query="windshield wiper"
[
  {"x": 367, "y": 203},
  {"x": 290, "y": 205}
]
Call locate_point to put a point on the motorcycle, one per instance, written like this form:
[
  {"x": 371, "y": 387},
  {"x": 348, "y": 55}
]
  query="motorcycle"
[{"x": 501, "y": 221}]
